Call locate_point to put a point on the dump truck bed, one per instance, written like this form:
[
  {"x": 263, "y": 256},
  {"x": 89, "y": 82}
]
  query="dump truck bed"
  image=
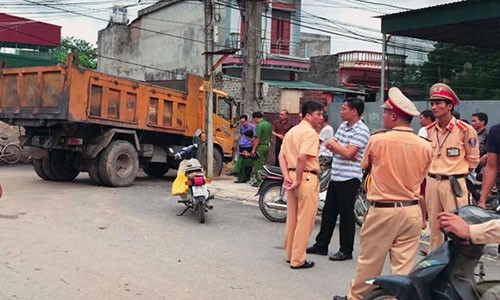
[{"x": 42, "y": 96}]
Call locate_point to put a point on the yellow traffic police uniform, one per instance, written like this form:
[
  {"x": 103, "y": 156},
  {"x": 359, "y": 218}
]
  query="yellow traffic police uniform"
[
  {"x": 455, "y": 151},
  {"x": 399, "y": 161},
  {"x": 302, "y": 203}
]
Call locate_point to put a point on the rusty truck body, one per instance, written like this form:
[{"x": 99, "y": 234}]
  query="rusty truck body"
[{"x": 78, "y": 120}]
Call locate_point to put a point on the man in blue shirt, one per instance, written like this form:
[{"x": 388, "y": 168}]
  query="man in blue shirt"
[
  {"x": 348, "y": 147},
  {"x": 245, "y": 146}
]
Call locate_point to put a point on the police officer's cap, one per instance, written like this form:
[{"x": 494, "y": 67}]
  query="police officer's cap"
[
  {"x": 441, "y": 91},
  {"x": 399, "y": 104}
]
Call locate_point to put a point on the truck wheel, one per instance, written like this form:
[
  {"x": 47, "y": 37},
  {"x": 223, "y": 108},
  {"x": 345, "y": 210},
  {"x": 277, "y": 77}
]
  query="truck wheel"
[
  {"x": 156, "y": 169},
  {"x": 118, "y": 164},
  {"x": 61, "y": 164},
  {"x": 47, "y": 169},
  {"x": 218, "y": 163},
  {"x": 93, "y": 171},
  {"x": 37, "y": 165}
]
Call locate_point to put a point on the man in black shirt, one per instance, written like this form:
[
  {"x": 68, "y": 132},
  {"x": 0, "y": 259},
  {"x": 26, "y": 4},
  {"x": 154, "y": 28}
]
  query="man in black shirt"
[
  {"x": 479, "y": 121},
  {"x": 491, "y": 168}
]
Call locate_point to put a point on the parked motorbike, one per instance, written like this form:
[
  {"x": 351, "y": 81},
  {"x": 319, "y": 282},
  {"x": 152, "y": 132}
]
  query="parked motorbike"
[
  {"x": 474, "y": 185},
  {"x": 190, "y": 183},
  {"x": 447, "y": 273},
  {"x": 272, "y": 196}
]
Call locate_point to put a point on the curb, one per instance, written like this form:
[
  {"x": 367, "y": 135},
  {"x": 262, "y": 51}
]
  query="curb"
[{"x": 225, "y": 188}]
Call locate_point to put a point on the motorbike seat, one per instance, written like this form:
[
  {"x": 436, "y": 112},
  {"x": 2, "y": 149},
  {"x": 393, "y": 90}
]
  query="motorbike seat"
[
  {"x": 273, "y": 170},
  {"x": 194, "y": 169}
]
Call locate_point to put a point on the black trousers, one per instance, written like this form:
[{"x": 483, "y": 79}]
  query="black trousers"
[
  {"x": 277, "y": 148},
  {"x": 340, "y": 199}
]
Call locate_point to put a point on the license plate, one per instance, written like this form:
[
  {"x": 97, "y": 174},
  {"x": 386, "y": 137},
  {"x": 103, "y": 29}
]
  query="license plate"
[{"x": 200, "y": 191}]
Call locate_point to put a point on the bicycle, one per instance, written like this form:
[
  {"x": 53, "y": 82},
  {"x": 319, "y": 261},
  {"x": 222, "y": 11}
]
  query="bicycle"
[{"x": 10, "y": 153}]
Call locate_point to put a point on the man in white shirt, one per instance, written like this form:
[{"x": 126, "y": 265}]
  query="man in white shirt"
[
  {"x": 426, "y": 118},
  {"x": 326, "y": 134}
]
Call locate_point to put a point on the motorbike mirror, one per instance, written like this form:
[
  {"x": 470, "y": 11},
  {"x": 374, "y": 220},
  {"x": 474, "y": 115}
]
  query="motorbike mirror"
[
  {"x": 198, "y": 132},
  {"x": 455, "y": 187},
  {"x": 171, "y": 150}
]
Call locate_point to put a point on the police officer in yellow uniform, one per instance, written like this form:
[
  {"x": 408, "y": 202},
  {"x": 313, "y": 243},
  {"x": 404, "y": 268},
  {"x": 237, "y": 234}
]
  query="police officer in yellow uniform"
[
  {"x": 399, "y": 161},
  {"x": 299, "y": 164},
  {"x": 455, "y": 152}
]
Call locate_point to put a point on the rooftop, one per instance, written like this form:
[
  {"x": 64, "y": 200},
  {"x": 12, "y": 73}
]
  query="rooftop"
[{"x": 465, "y": 22}]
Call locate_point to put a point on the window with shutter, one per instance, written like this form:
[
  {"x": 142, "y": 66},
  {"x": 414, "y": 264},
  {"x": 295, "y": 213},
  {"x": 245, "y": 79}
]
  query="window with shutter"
[{"x": 280, "y": 32}]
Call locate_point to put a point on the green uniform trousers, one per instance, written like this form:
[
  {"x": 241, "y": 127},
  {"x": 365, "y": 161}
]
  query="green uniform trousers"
[
  {"x": 258, "y": 164},
  {"x": 239, "y": 168}
]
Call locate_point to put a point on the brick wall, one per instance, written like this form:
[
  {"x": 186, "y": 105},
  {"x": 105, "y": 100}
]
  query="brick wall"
[
  {"x": 272, "y": 99},
  {"x": 316, "y": 96},
  {"x": 229, "y": 85},
  {"x": 271, "y": 95}
]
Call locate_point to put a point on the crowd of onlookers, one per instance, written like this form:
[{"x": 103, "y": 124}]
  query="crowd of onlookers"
[{"x": 408, "y": 177}]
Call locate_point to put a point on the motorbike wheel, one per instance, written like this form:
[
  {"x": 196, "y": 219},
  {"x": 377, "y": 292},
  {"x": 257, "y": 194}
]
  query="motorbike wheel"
[
  {"x": 379, "y": 294},
  {"x": 270, "y": 194},
  {"x": 200, "y": 211},
  {"x": 360, "y": 208}
]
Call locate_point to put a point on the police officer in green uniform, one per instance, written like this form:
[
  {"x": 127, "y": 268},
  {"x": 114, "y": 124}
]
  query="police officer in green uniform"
[{"x": 260, "y": 144}]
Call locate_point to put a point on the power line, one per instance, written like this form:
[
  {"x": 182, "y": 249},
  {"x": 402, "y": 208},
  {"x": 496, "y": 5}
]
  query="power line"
[
  {"x": 360, "y": 37},
  {"x": 105, "y": 20}
]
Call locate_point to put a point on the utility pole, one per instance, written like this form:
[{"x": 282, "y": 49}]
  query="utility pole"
[
  {"x": 382, "y": 69},
  {"x": 209, "y": 48},
  {"x": 251, "y": 52}
]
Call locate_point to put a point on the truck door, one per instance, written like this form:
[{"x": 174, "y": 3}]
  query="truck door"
[{"x": 223, "y": 132}]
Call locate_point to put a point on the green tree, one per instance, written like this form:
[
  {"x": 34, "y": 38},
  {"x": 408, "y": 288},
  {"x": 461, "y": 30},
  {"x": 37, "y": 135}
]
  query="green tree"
[
  {"x": 87, "y": 53},
  {"x": 472, "y": 72}
]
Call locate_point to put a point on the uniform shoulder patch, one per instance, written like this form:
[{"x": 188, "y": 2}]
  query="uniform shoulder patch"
[
  {"x": 431, "y": 125},
  {"x": 472, "y": 142},
  {"x": 462, "y": 125}
]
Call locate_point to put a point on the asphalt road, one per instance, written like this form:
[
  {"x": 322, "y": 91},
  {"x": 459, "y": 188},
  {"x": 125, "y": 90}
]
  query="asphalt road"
[{"x": 78, "y": 241}]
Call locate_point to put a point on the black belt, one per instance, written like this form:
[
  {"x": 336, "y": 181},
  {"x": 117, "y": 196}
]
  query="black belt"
[
  {"x": 394, "y": 203},
  {"x": 306, "y": 171},
  {"x": 446, "y": 177}
]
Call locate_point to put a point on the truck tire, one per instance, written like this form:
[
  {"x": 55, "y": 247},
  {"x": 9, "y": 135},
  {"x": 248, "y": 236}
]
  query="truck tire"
[
  {"x": 156, "y": 169},
  {"x": 93, "y": 171},
  {"x": 61, "y": 164},
  {"x": 118, "y": 164},
  {"x": 218, "y": 159},
  {"x": 218, "y": 162},
  {"x": 37, "y": 165},
  {"x": 47, "y": 169}
]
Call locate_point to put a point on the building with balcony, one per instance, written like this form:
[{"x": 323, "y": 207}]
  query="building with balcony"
[
  {"x": 165, "y": 37},
  {"x": 355, "y": 70},
  {"x": 25, "y": 42},
  {"x": 285, "y": 49}
]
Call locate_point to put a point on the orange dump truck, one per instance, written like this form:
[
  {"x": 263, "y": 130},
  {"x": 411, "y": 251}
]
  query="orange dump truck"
[{"x": 78, "y": 120}]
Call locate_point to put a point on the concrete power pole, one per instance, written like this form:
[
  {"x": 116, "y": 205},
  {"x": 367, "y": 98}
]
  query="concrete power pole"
[
  {"x": 209, "y": 48},
  {"x": 252, "y": 54}
]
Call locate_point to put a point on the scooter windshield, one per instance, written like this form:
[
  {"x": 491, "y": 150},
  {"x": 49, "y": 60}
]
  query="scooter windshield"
[{"x": 429, "y": 267}]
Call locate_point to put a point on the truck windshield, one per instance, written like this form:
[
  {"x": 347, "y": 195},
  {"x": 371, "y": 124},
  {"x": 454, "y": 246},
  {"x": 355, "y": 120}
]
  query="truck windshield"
[{"x": 224, "y": 108}]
